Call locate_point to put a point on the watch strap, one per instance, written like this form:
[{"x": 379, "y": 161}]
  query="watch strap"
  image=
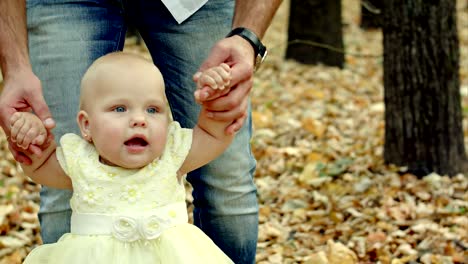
[{"x": 251, "y": 37}]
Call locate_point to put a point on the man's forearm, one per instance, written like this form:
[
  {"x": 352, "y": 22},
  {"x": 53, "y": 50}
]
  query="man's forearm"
[
  {"x": 255, "y": 15},
  {"x": 13, "y": 35}
]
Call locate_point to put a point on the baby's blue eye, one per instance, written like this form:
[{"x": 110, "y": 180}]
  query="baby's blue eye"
[
  {"x": 119, "y": 109},
  {"x": 152, "y": 110}
]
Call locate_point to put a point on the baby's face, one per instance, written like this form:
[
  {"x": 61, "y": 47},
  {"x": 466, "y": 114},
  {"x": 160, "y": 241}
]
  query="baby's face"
[{"x": 128, "y": 119}]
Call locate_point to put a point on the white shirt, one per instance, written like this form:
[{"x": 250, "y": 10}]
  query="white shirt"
[{"x": 182, "y": 9}]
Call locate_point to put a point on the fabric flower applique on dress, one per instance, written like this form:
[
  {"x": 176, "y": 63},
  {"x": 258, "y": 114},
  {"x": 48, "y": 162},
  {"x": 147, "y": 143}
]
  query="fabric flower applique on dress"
[
  {"x": 129, "y": 229},
  {"x": 90, "y": 195},
  {"x": 131, "y": 193}
]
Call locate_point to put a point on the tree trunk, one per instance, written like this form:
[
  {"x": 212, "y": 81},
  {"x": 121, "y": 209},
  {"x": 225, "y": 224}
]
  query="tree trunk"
[
  {"x": 319, "y": 22},
  {"x": 371, "y": 13},
  {"x": 423, "y": 117}
]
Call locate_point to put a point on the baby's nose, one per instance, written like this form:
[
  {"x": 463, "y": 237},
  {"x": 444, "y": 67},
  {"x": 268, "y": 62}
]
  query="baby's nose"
[{"x": 138, "y": 122}]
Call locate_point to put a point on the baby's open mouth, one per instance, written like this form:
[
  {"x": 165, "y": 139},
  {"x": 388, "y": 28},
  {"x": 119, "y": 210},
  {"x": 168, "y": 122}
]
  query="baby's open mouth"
[{"x": 136, "y": 141}]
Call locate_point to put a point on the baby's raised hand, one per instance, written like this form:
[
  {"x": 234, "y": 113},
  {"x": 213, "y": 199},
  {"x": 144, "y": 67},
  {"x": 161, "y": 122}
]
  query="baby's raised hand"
[
  {"x": 217, "y": 78},
  {"x": 27, "y": 129}
]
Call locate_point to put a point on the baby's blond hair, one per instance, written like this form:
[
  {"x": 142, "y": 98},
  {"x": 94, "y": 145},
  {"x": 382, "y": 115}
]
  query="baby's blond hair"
[{"x": 108, "y": 65}]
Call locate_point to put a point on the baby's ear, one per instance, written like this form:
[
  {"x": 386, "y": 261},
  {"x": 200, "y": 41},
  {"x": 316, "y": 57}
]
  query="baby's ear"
[{"x": 83, "y": 122}]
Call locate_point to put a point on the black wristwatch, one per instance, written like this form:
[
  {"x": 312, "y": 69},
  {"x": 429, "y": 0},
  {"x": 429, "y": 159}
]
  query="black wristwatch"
[{"x": 259, "y": 48}]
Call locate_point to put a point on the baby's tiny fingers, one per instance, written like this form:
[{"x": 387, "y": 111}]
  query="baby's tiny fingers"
[
  {"x": 223, "y": 73},
  {"x": 225, "y": 76},
  {"x": 218, "y": 74},
  {"x": 227, "y": 83},
  {"x": 207, "y": 80},
  {"x": 22, "y": 138},
  {"x": 196, "y": 76},
  {"x": 16, "y": 128},
  {"x": 26, "y": 142},
  {"x": 39, "y": 140},
  {"x": 15, "y": 117},
  {"x": 31, "y": 135},
  {"x": 225, "y": 67}
]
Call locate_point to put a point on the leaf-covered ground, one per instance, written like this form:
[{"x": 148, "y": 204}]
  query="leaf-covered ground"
[{"x": 325, "y": 195}]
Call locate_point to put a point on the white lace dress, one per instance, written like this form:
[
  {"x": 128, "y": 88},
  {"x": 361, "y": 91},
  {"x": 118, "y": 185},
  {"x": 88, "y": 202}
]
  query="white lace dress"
[{"x": 128, "y": 216}]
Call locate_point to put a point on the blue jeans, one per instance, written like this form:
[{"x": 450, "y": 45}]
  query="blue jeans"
[{"x": 65, "y": 37}]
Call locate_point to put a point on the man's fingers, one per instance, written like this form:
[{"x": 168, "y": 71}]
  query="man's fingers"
[
  {"x": 233, "y": 99},
  {"x": 41, "y": 109},
  {"x": 236, "y": 125},
  {"x": 17, "y": 154},
  {"x": 232, "y": 114},
  {"x": 241, "y": 72},
  {"x": 201, "y": 95},
  {"x": 50, "y": 139},
  {"x": 226, "y": 116},
  {"x": 23, "y": 159},
  {"x": 35, "y": 150},
  {"x": 49, "y": 123}
]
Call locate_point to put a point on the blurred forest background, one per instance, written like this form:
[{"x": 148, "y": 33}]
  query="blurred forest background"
[{"x": 326, "y": 192}]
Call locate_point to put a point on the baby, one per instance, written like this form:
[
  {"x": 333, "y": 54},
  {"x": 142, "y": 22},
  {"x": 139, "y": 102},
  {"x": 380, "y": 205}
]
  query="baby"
[{"x": 126, "y": 169}]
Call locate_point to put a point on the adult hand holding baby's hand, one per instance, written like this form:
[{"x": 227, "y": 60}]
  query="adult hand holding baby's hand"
[
  {"x": 232, "y": 106},
  {"x": 212, "y": 83},
  {"x": 22, "y": 92},
  {"x": 28, "y": 132}
]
